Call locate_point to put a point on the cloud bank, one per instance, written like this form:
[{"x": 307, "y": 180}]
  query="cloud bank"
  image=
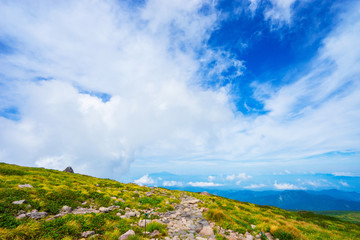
[{"x": 99, "y": 84}]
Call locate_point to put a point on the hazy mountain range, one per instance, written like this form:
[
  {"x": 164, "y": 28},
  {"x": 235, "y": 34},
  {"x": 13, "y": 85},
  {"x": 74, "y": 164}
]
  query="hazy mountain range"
[{"x": 293, "y": 199}]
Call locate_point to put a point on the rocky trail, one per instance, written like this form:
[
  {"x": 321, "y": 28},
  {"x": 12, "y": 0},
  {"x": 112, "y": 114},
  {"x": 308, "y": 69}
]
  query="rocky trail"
[{"x": 187, "y": 222}]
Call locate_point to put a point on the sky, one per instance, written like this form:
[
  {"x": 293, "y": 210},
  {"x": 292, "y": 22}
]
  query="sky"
[{"x": 209, "y": 89}]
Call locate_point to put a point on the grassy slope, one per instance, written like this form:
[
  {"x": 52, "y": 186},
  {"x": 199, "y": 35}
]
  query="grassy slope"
[
  {"x": 54, "y": 189},
  {"x": 350, "y": 216}
]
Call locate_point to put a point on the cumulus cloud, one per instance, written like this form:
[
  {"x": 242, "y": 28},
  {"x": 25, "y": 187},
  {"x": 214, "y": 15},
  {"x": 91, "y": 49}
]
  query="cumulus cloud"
[
  {"x": 204, "y": 184},
  {"x": 69, "y": 55},
  {"x": 344, "y": 174},
  {"x": 172, "y": 183},
  {"x": 144, "y": 180},
  {"x": 98, "y": 84},
  {"x": 287, "y": 186},
  {"x": 240, "y": 176}
]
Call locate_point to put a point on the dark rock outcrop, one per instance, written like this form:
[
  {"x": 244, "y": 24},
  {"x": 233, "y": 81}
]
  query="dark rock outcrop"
[{"x": 69, "y": 169}]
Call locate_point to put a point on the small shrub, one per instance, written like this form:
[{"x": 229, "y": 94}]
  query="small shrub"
[
  {"x": 9, "y": 172},
  {"x": 216, "y": 215},
  {"x": 152, "y": 201},
  {"x": 156, "y": 226}
]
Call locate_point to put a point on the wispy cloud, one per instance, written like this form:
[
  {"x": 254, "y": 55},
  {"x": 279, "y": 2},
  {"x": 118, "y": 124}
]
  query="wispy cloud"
[
  {"x": 287, "y": 186},
  {"x": 255, "y": 186},
  {"x": 240, "y": 176},
  {"x": 172, "y": 184},
  {"x": 204, "y": 184},
  {"x": 343, "y": 183}
]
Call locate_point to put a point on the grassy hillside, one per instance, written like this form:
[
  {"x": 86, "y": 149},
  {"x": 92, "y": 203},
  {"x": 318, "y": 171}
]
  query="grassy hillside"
[
  {"x": 350, "y": 216},
  {"x": 51, "y": 190}
]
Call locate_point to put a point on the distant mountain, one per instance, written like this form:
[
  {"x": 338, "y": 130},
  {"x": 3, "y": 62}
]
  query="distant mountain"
[
  {"x": 350, "y": 196},
  {"x": 293, "y": 199}
]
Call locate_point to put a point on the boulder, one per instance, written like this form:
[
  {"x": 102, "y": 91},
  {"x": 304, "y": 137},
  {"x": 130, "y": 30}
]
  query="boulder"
[
  {"x": 25, "y": 186},
  {"x": 66, "y": 209},
  {"x": 87, "y": 234},
  {"x": 19, "y": 202},
  {"x": 69, "y": 170},
  {"x": 127, "y": 234}
]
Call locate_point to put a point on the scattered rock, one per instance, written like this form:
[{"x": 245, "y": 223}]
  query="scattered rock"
[
  {"x": 36, "y": 215},
  {"x": 21, "y": 216},
  {"x": 84, "y": 211},
  {"x": 207, "y": 230},
  {"x": 127, "y": 234},
  {"x": 87, "y": 234},
  {"x": 253, "y": 226},
  {"x": 69, "y": 170},
  {"x": 104, "y": 209},
  {"x": 19, "y": 202},
  {"x": 66, "y": 209},
  {"x": 130, "y": 214},
  {"x": 205, "y": 193},
  {"x": 154, "y": 233},
  {"x": 25, "y": 186},
  {"x": 95, "y": 237},
  {"x": 143, "y": 221}
]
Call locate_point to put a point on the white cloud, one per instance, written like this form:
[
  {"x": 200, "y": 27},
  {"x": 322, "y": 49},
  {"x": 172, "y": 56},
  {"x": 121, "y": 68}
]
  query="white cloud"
[
  {"x": 240, "y": 176},
  {"x": 146, "y": 59},
  {"x": 254, "y": 186},
  {"x": 343, "y": 183},
  {"x": 280, "y": 11},
  {"x": 287, "y": 186},
  {"x": 204, "y": 184},
  {"x": 211, "y": 178},
  {"x": 144, "y": 180},
  {"x": 172, "y": 183},
  {"x": 345, "y": 174},
  {"x": 253, "y": 5}
]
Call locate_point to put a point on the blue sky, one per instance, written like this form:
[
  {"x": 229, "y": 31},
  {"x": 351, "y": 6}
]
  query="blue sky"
[{"x": 123, "y": 89}]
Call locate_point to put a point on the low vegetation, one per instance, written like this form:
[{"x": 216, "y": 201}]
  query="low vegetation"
[{"x": 51, "y": 190}]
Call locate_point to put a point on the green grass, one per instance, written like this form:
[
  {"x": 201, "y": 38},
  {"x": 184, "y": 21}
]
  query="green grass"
[
  {"x": 349, "y": 216},
  {"x": 53, "y": 189}
]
